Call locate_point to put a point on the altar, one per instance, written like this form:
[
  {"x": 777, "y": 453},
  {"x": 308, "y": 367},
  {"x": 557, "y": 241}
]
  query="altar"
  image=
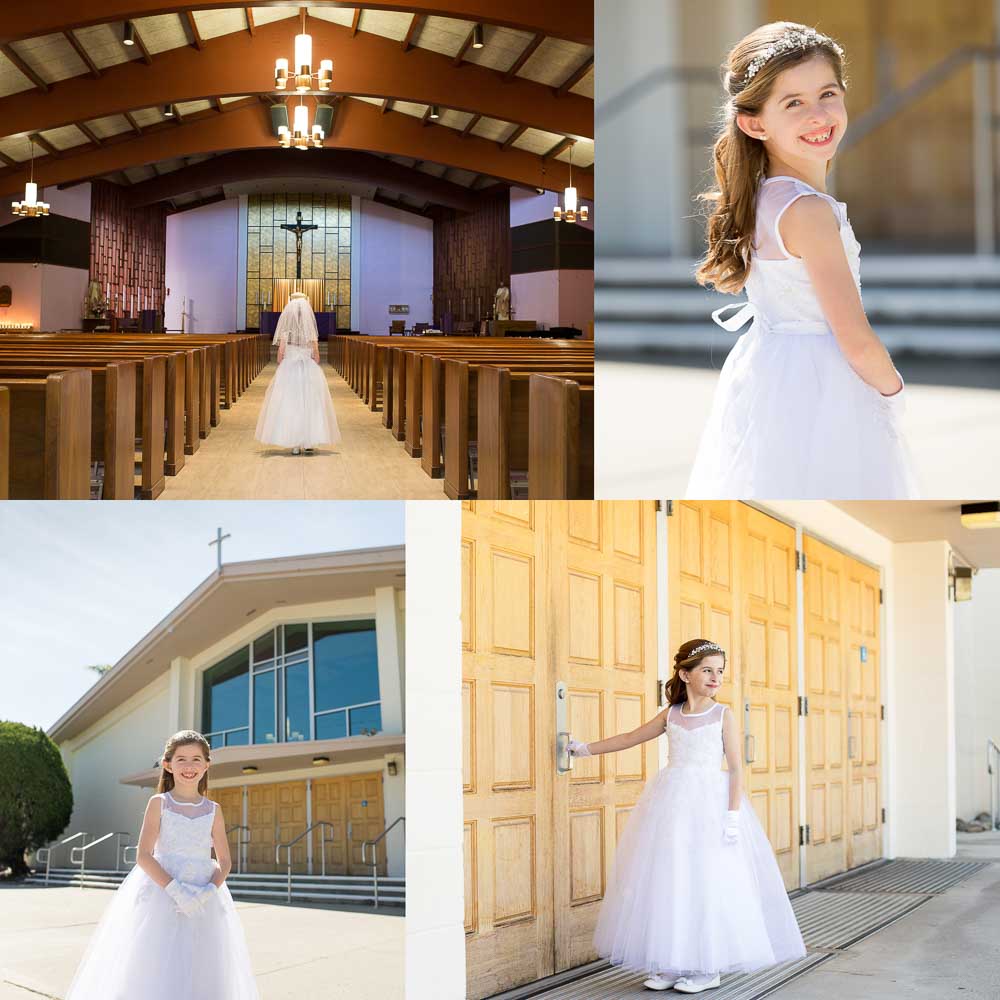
[
  {"x": 323, "y": 300},
  {"x": 326, "y": 323}
]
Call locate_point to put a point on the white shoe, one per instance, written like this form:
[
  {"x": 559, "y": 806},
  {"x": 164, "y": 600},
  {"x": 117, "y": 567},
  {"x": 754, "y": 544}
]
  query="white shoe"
[
  {"x": 695, "y": 984},
  {"x": 657, "y": 982},
  {"x": 296, "y": 451}
]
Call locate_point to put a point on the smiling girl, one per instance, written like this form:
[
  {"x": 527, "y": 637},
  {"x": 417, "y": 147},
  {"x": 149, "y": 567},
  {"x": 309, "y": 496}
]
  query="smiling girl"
[
  {"x": 695, "y": 890},
  {"x": 171, "y": 930},
  {"x": 808, "y": 403}
]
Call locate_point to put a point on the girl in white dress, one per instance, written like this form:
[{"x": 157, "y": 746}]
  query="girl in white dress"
[
  {"x": 298, "y": 411},
  {"x": 695, "y": 890},
  {"x": 808, "y": 402},
  {"x": 171, "y": 930}
]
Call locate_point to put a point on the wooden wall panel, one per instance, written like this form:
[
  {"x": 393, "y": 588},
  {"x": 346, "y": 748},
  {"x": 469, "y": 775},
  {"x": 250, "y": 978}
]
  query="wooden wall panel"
[
  {"x": 128, "y": 249},
  {"x": 471, "y": 259}
]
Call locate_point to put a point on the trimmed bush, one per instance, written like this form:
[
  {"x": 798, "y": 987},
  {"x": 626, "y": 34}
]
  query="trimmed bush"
[{"x": 36, "y": 797}]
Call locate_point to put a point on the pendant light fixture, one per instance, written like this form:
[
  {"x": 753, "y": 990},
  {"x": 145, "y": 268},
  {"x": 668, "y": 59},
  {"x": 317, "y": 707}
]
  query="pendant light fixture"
[
  {"x": 31, "y": 206},
  {"x": 302, "y": 67},
  {"x": 300, "y": 135},
  {"x": 568, "y": 212}
]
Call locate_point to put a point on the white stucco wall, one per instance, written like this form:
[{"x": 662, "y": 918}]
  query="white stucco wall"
[{"x": 977, "y": 690}]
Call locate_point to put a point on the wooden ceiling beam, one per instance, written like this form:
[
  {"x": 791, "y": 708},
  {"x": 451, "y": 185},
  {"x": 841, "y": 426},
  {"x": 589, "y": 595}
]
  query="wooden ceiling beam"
[
  {"x": 470, "y": 125},
  {"x": 514, "y": 135},
  {"x": 460, "y": 54},
  {"x": 248, "y": 13},
  {"x": 527, "y": 52},
  {"x": 415, "y": 22},
  {"x": 559, "y": 147},
  {"x": 217, "y": 104},
  {"x": 84, "y": 55},
  {"x": 557, "y": 18},
  {"x": 575, "y": 77},
  {"x": 356, "y": 21},
  {"x": 386, "y": 105},
  {"x": 192, "y": 29},
  {"x": 426, "y": 119},
  {"x": 24, "y": 68},
  {"x": 89, "y": 133},
  {"x": 360, "y": 126},
  {"x": 141, "y": 46},
  {"x": 5, "y": 159},
  {"x": 236, "y": 64},
  {"x": 136, "y": 127},
  {"x": 40, "y": 140}
]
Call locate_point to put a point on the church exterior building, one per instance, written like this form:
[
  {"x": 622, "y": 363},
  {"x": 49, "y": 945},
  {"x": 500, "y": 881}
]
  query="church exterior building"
[{"x": 293, "y": 669}]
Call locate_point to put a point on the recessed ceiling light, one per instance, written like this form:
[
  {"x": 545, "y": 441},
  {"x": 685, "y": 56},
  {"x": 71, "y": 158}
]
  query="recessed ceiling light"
[
  {"x": 477, "y": 36},
  {"x": 128, "y": 33},
  {"x": 983, "y": 514},
  {"x": 168, "y": 110}
]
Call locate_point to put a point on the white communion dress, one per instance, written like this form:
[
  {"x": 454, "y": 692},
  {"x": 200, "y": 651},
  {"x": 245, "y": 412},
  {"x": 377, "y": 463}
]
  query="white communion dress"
[
  {"x": 681, "y": 900},
  {"x": 791, "y": 419},
  {"x": 144, "y": 949},
  {"x": 298, "y": 411}
]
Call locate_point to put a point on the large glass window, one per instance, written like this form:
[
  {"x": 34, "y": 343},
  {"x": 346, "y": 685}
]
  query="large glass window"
[
  {"x": 310, "y": 681},
  {"x": 225, "y": 704}
]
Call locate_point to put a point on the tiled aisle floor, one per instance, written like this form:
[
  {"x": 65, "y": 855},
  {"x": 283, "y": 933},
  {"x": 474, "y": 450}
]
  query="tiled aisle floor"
[{"x": 369, "y": 463}]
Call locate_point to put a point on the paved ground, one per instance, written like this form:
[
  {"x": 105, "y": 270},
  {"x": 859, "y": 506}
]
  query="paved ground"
[
  {"x": 298, "y": 952},
  {"x": 649, "y": 418},
  {"x": 368, "y": 464},
  {"x": 945, "y": 948}
]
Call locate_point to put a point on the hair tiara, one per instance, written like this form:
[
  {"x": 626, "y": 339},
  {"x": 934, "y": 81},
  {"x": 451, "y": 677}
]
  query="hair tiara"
[
  {"x": 791, "y": 40},
  {"x": 705, "y": 647}
]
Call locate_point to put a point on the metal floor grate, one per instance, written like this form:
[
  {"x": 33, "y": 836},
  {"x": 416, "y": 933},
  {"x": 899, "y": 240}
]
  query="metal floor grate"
[
  {"x": 926, "y": 877},
  {"x": 836, "y": 914}
]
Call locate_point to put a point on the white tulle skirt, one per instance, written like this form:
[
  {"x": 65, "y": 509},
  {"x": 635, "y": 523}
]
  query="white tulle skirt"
[
  {"x": 143, "y": 949},
  {"x": 681, "y": 900},
  {"x": 298, "y": 411},
  {"x": 792, "y": 420}
]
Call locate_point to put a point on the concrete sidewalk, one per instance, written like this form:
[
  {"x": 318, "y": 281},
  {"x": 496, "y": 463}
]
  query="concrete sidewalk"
[
  {"x": 649, "y": 418},
  {"x": 297, "y": 952}
]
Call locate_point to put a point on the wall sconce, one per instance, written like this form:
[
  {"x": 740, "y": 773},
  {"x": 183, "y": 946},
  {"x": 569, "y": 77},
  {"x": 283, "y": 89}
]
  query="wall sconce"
[
  {"x": 962, "y": 583},
  {"x": 249, "y": 769},
  {"x": 985, "y": 514},
  {"x": 393, "y": 768}
]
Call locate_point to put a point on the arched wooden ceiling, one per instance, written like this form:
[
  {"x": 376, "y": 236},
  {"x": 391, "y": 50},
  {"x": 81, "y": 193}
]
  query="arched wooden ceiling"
[{"x": 511, "y": 114}]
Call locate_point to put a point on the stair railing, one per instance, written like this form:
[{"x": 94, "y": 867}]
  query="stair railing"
[
  {"x": 81, "y": 861},
  {"x": 48, "y": 852},
  {"x": 374, "y": 861},
  {"x": 240, "y": 844},
  {"x": 993, "y": 770},
  {"x": 322, "y": 824}
]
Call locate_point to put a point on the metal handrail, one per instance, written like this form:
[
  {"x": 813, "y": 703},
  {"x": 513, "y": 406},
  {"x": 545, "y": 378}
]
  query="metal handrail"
[
  {"x": 992, "y": 748},
  {"x": 100, "y": 840},
  {"x": 240, "y": 844},
  {"x": 288, "y": 847},
  {"x": 48, "y": 852},
  {"x": 374, "y": 861}
]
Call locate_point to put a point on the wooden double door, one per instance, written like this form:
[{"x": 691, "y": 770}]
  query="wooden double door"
[
  {"x": 733, "y": 580},
  {"x": 278, "y": 813},
  {"x": 559, "y": 635}
]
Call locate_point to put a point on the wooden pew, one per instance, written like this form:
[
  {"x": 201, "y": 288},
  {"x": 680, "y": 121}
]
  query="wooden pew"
[
  {"x": 49, "y": 450},
  {"x": 4, "y": 443},
  {"x": 112, "y": 419},
  {"x": 560, "y": 439}
]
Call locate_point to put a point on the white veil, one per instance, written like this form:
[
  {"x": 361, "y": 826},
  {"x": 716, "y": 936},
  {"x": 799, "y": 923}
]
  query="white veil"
[{"x": 297, "y": 323}]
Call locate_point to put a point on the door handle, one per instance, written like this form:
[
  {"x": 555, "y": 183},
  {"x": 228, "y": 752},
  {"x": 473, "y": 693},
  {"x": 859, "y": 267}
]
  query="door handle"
[
  {"x": 749, "y": 740},
  {"x": 564, "y": 759},
  {"x": 850, "y": 736}
]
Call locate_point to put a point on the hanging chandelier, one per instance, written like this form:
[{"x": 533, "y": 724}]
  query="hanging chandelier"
[
  {"x": 31, "y": 206},
  {"x": 303, "y": 71},
  {"x": 300, "y": 136},
  {"x": 568, "y": 212}
]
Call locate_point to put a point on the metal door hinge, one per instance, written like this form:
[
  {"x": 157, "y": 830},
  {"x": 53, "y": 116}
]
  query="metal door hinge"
[
  {"x": 883, "y": 814},
  {"x": 803, "y": 704},
  {"x": 804, "y": 835},
  {"x": 670, "y": 507},
  {"x": 880, "y": 596},
  {"x": 882, "y": 707},
  {"x": 800, "y": 560},
  {"x": 661, "y": 693}
]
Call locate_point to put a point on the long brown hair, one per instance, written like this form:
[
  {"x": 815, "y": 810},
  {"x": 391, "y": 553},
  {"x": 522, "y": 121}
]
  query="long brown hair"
[
  {"x": 185, "y": 736},
  {"x": 675, "y": 688},
  {"x": 741, "y": 162}
]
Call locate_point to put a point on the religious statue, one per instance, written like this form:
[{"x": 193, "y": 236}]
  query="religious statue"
[
  {"x": 94, "y": 304},
  {"x": 298, "y": 229},
  {"x": 501, "y": 303}
]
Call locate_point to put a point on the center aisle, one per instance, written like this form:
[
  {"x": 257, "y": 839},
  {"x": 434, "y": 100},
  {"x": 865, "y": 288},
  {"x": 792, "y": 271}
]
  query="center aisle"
[{"x": 367, "y": 464}]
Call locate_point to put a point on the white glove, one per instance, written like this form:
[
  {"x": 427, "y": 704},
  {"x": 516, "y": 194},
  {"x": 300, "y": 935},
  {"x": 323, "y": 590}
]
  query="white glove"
[
  {"x": 182, "y": 895},
  {"x": 578, "y": 749},
  {"x": 731, "y": 833},
  {"x": 202, "y": 894}
]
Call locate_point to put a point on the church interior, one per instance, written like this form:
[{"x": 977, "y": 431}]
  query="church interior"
[{"x": 157, "y": 215}]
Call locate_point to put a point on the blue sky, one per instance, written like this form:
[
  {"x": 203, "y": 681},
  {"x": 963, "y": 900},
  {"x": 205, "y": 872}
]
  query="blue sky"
[{"x": 82, "y": 582}]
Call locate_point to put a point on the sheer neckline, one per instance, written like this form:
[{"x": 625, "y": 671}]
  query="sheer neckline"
[
  {"x": 694, "y": 715},
  {"x": 181, "y": 802}
]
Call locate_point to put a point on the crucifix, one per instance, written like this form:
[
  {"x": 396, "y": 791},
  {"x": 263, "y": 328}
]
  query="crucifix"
[
  {"x": 219, "y": 539},
  {"x": 298, "y": 229}
]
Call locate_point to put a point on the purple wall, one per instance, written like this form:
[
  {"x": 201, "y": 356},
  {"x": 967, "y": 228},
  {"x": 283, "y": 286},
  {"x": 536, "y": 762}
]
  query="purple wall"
[
  {"x": 397, "y": 266},
  {"x": 201, "y": 266}
]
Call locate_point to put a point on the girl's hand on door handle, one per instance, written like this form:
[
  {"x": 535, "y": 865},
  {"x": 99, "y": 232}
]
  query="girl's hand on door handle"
[{"x": 578, "y": 749}]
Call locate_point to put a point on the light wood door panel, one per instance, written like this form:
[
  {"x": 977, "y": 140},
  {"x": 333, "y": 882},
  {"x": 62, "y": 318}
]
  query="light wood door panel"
[
  {"x": 231, "y": 803},
  {"x": 366, "y": 818},
  {"x": 290, "y": 798},
  {"x": 552, "y": 591},
  {"x": 262, "y": 819},
  {"x": 826, "y": 721}
]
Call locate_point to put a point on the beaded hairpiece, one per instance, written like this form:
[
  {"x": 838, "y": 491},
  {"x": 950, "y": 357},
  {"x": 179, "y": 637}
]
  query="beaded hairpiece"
[
  {"x": 706, "y": 647},
  {"x": 791, "y": 40}
]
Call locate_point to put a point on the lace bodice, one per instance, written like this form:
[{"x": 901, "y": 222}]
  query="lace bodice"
[
  {"x": 695, "y": 740},
  {"x": 184, "y": 844},
  {"x": 778, "y": 286}
]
